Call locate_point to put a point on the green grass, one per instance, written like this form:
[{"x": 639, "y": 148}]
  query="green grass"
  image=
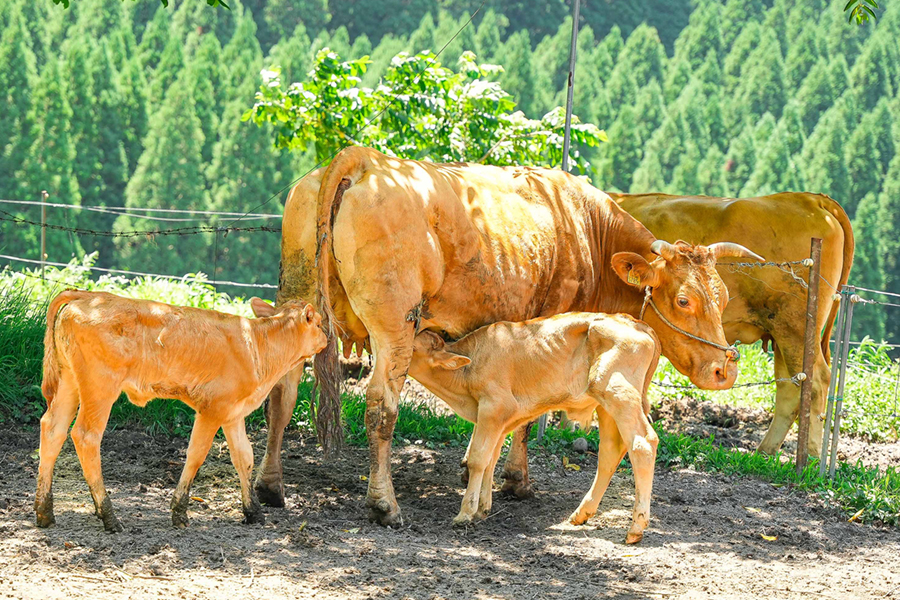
[{"x": 23, "y": 302}]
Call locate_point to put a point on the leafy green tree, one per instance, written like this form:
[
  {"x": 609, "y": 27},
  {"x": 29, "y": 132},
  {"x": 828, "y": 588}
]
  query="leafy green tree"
[
  {"x": 447, "y": 27},
  {"x": 169, "y": 175},
  {"x": 47, "y": 164},
  {"x": 715, "y": 120},
  {"x": 691, "y": 105},
  {"x": 838, "y": 76},
  {"x": 550, "y": 61},
  {"x": 454, "y": 116},
  {"x": 17, "y": 77},
  {"x": 242, "y": 54},
  {"x": 868, "y": 264},
  {"x": 384, "y": 52},
  {"x": 882, "y": 123},
  {"x": 422, "y": 39}
]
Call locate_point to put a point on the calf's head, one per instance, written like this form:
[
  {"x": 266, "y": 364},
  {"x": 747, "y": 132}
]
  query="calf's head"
[
  {"x": 310, "y": 337},
  {"x": 430, "y": 351},
  {"x": 689, "y": 296}
]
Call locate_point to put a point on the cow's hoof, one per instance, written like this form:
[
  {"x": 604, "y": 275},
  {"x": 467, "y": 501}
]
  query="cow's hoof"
[
  {"x": 384, "y": 513},
  {"x": 577, "y": 518},
  {"x": 44, "y": 519},
  {"x": 254, "y": 518},
  {"x": 634, "y": 537},
  {"x": 112, "y": 525},
  {"x": 270, "y": 494},
  {"x": 180, "y": 519},
  {"x": 517, "y": 489}
]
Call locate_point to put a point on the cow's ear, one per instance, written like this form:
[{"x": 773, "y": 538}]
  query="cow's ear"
[
  {"x": 308, "y": 313},
  {"x": 450, "y": 360},
  {"x": 634, "y": 270},
  {"x": 261, "y": 308}
]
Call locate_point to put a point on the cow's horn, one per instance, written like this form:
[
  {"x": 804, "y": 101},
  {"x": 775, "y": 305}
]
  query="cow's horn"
[
  {"x": 663, "y": 248},
  {"x": 723, "y": 249}
]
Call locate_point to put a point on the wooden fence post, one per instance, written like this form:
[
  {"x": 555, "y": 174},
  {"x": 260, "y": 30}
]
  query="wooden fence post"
[{"x": 811, "y": 338}]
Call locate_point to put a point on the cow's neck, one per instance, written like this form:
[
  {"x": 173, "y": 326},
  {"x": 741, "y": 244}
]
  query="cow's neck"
[
  {"x": 616, "y": 231},
  {"x": 275, "y": 341}
]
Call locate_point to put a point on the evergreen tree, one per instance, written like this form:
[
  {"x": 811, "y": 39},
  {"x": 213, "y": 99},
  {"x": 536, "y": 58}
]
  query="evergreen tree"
[
  {"x": 625, "y": 148},
  {"x": 133, "y": 110},
  {"x": 677, "y": 77},
  {"x": 684, "y": 176},
  {"x": 491, "y": 32},
  {"x": 737, "y": 57},
  {"x": 643, "y": 55},
  {"x": 601, "y": 111},
  {"x": 169, "y": 175},
  {"x": 203, "y": 73},
  {"x": 822, "y": 158},
  {"x": 650, "y": 108},
  {"x": 381, "y": 57},
  {"x": 888, "y": 224},
  {"x": 613, "y": 42},
  {"x": 870, "y": 78},
  {"x": 649, "y": 176},
  {"x": 863, "y": 166},
  {"x": 715, "y": 121},
  {"x": 100, "y": 18},
  {"x": 517, "y": 77},
  {"x": 446, "y": 28},
  {"x": 774, "y": 170},
  {"x": 691, "y": 105},
  {"x": 622, "y": 87},
  {"x": 293, "y": 56},
  {"x": 283, "y": 17},
  {"x": 702, "y": 35},
  {"x": 170, "y": 65},
  {"x": 550, "y": 62},
  {"x": 422, "y": 39},
  {"x": 740, "y": 161},
  {"x": 361, "y": 47},
  {"x": 242, "y": 55},
  {"x": 792, "y": 127},
  {"x": 868, "y": 264},
  {"x": 155, "y": 39},
  {"x": 17, "y": 76},
  {"x": 881, "y": 121},
  {"x": 802, "y": 54},
  {"x": 762, "y": 84},
  {"x": 735, "y": 16},
  {"x": 48, "y": 165},
  {"x": 711, "y": 174},
  {"x": 814, "y": 96}
]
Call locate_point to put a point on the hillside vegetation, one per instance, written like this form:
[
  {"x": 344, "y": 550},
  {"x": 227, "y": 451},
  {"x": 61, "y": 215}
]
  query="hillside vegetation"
[{"x": 111, "y": 104}]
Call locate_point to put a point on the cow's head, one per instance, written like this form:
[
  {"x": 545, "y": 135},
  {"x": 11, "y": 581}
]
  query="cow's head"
[
  {"x": 689, "y": 295},
  {"x": 312, "y": 339}
]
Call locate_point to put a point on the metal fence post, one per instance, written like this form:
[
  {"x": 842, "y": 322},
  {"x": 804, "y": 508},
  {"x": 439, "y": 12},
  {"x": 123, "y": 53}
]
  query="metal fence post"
[
  {"x": 44, "y": 196},
  {"x": 835, "y": 370},
  {"x": 568, "y": 131},
  {"x": 809, "y": 352},
  {"x": 839, "y": 399}
]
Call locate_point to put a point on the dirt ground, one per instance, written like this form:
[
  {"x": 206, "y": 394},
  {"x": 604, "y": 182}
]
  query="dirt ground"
[{"x": 704, "y": 541}]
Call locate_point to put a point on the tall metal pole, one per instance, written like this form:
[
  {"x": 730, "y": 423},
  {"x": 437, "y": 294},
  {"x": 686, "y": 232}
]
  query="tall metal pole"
[
  {"x": 571, "y": 90},
  {"x": 44, "y": 196},
  {"x": 835, "y": 370},
  {"x": 809, "y": 352},
  {"x": 839, "y": 397}
]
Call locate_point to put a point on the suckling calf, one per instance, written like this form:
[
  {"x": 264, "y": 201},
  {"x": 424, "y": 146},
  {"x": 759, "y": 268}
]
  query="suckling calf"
[
  {"x": 98, "y": 345},
  {"x": 506, "y": 374}
]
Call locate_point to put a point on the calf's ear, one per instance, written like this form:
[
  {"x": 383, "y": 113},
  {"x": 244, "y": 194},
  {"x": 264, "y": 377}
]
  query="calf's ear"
[
  {"x": 308, "y": 313},
  {"x": 634, "y": 270},
  {"x": 261, "y": 308},
  {"x": 450, "y": 361}
]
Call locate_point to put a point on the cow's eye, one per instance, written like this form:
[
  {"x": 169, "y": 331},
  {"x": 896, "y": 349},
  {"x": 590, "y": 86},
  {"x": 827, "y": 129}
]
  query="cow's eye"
[{"x": 683, "y": 302}]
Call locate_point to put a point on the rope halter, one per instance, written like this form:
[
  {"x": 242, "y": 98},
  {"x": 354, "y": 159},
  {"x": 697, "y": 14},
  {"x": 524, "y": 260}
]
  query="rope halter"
[{"x": 731, "y": 352}]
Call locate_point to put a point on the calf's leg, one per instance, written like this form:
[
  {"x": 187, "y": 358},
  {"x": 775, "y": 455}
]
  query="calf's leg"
[
  {"x": 54, "y": 429},
  {"x": 485, "y": 496},
  {"x": 609, "y": 455},
  {"x": 87, "y": 433},
  {"x": 242, "y": 458},
  {"x": 202, "y": 436},
  {"x": 642, "y": 442},
  {"x": 279, "y": 409}
]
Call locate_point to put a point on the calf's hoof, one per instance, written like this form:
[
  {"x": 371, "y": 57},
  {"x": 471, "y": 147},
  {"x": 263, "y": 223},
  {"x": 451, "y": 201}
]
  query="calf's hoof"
[
  {"x": 634, "y": 537},
  {"x": 270, "y": 494},
  {"x": 44, "y": 519},
  {"x": 517, "y": 489},
  {"x": 254, "y": 518},
  {"x": 384, "y": 513},
  {"x": 112, "y": 525},
  {"x": 462, "y": 520},
  {"x": 180, "y": 519}
]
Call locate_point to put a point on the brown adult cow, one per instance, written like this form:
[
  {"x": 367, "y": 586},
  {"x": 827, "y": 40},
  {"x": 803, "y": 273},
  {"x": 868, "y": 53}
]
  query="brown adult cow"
[
  {"x": 766, "y": 303},
  {"x": 405, "y": 246}
]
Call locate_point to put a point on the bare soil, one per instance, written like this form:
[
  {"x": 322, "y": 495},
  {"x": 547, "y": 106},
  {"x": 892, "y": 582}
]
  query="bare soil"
[{"x": 705, "y": 538}]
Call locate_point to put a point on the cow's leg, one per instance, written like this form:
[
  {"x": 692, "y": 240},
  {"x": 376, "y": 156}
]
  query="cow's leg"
[
  {"x": 202, "y": 436},
  {"x": 481, "y": 450},
  {"x": 54, "y": 429},
  {"x": 279, "y": 409},
  {"x": 515, "y": 469},
  {"x": 242, "y": 458},
  {"x": 87, "y": 433},
  {"x": 788, "y": 362},
  {"x": 609, "y": 454},
  {"x": 393, "y": 352}
]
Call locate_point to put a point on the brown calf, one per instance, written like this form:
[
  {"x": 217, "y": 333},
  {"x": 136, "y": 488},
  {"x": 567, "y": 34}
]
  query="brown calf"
[
  {"x": 98, "y": 345},
  {"x": 506, "y": 374}
]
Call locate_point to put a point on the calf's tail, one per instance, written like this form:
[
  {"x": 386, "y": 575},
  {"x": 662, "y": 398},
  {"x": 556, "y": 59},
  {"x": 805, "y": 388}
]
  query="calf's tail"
[{"x": 50, "y": 382}]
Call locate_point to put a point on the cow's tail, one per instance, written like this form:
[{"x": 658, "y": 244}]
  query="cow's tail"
[
  {"x": 50, "y": 383},
  {"x": 849, "y": 247},
  {"x": 345, "y": 170}
]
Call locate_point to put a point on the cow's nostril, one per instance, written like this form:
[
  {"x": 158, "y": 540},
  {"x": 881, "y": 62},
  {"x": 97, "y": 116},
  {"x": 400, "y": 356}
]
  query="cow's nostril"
[{"x": 720, "y": 373}]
